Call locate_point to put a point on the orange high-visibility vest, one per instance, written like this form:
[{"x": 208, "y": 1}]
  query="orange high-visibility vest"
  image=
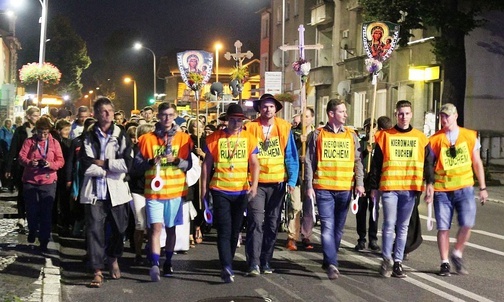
[
  {"x": 231, "y": 154},
  {"x": 175, "y": 184},
  {"x": 403, "y": 159},
  {"x": 451, "y": 174},
  {"x": 272, "y": 158},
  {"x": 335, "y": 160}
]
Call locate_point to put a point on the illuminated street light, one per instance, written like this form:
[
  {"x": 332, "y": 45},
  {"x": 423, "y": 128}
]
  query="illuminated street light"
[
  {"x": 139, "y": 46},
  {"x": 128, "y": 80}
]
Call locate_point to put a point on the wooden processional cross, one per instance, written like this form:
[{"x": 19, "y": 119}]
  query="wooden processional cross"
[{"x": 302, "y": 47}]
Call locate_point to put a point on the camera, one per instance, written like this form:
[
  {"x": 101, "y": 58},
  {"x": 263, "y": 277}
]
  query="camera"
[{"x": 42, "y": 163}]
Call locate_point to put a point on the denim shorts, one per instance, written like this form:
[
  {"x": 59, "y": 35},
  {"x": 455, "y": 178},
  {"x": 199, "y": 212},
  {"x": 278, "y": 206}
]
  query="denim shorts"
[
  {"x": 462, "y": 201},
  {"x": 166, "y": 211}
]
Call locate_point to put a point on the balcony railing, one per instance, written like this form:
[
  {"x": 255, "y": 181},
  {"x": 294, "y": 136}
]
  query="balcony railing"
[{"x": 321, "y": 76}]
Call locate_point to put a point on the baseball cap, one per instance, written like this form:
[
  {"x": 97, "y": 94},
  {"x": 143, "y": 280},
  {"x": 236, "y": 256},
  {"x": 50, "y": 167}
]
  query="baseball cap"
[{"x": 448, "y": 109}]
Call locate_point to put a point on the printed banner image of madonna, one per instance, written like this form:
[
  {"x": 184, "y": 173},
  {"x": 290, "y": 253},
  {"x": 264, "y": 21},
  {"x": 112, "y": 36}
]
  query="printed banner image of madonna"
[
  {"x": 198, "y": 61},
  {"x": 379, "y": 39}
]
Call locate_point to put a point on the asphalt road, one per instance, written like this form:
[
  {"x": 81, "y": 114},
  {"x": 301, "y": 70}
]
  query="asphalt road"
[{"x": 298, "y": 275}]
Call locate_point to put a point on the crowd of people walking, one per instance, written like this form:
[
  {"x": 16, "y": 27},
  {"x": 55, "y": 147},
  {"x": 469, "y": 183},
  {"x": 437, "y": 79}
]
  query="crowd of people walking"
[{"x": 106, "y": 178}]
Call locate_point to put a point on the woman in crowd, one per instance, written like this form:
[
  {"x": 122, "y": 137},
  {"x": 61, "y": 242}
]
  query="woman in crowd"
[
  {"x": 196, "y": 130},
  {"x": 41, "y": 157},
  {"x": 137, "y": 186}
]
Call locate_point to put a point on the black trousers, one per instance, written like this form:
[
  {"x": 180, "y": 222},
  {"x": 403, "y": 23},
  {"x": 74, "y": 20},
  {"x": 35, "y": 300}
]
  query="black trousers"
[
  {"x": 365, "y": 204},
  {"x": 97, "y": 217}
]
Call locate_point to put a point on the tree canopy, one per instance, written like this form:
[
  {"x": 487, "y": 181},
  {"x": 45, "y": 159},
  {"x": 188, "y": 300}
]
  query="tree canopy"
[{"x": 68, "y": 51}]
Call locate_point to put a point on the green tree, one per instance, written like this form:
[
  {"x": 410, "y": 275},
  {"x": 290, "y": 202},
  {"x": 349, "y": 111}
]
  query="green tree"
[
  {"x": 453, "y": 19},
  {"x": 68, "y": 51}
]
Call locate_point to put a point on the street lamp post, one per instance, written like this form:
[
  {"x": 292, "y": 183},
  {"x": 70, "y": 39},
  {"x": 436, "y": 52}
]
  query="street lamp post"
[
  {"x": 128, "y": 80},
  {"x": 138, "y": 46},
  {"x": 90, "y": 98},
  {"x": 218, "y": 46},
  {"x": 43, "y": 30}
]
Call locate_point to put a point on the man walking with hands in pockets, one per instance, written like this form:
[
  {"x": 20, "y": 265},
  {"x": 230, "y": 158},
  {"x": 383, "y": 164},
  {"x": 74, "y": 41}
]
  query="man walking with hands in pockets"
[{"x": 332, "y": 160}]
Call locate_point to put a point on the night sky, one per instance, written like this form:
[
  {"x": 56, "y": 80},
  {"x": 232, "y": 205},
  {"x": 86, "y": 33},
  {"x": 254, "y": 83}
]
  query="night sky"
[{"x": 164, "y": 25}]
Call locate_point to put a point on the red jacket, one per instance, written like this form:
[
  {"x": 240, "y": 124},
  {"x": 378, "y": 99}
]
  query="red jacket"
[{"x": 34, "y": 149}]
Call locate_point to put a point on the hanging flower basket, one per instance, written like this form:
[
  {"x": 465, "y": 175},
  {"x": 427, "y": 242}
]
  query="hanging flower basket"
[
  {"x": 286, "y": 97},
  {"x": 194, "y": 79},
  {"x": 32, "y": 72}
]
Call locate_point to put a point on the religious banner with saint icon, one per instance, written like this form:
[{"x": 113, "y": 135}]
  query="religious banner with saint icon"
[
  {"x": 195, "y": 61},
  {"x": 380, "y": 39}
]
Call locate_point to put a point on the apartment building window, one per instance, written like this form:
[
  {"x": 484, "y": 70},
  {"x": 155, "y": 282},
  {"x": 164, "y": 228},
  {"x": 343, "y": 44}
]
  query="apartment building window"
[
  {"x": 359, "y": 110},
  {"x": 279, "y": 14},
  {"x": 287, "y": 10},
  {"x": 265, "y": 25},
  {"x": 296, "y": 8}
]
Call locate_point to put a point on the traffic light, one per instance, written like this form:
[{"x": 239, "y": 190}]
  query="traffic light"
[{"x": 152, "y": 101}]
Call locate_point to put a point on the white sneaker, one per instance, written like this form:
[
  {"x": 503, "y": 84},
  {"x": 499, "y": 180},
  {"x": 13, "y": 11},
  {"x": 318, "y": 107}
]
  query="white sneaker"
[{"x": 155, "y": 273}]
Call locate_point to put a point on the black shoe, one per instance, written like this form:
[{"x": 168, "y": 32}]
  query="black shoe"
[
  {"x": 31, "y": 237},
  {"x": 445, "y": 269},
  {"x": 167, "y": 269},
  {"x": 397, "y": 270},
  {"x": 459, "y": 265},
  {"x": 361, "y": 245},
  {"x": 374, "y": 246}
]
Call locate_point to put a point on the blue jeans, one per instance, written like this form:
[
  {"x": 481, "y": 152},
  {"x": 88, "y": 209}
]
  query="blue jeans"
[
  {"x": 462, "y": 201},
  {"x": 333, "y": 208},
  {"x": 228, "y": 218},
  {"x": 397, "y": 209}
]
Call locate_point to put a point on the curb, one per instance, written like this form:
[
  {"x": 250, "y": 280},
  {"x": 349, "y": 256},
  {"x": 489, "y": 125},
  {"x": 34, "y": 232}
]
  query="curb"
[{"x": 51, "y": 276}]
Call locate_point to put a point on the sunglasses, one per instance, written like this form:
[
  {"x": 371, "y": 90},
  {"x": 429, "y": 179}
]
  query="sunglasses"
[{"x": 453, "y": 151}]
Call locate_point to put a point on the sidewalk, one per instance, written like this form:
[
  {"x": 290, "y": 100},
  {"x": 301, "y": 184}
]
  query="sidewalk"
[{"x": 25, "y": 274}]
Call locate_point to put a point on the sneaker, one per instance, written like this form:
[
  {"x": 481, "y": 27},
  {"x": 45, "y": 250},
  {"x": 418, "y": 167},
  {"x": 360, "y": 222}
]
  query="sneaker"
[
  {"x": 397, "y": 270},
  {"x": 307, "y": 244},
  {"x": 253, "y": 271},
  {"x": 445, "y": 269},
  {"x": 291, "y": 245},
  {"x": 459, "y": 265},
  {"x": 386, "y": 268},
  {"x": 154, "y": 273},
  {"x": 332, "y": 272},
  {"x": 266, "y": 269},
  {"x": 373, "y": 246},
  {"x": 227, "y": 275},
  {"x": 167, "y": 269},
  {"x": 361, "y": 245}
]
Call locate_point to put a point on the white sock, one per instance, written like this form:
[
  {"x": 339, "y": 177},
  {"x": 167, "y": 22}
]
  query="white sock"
[
  {"x": 445, "y": 261},
  {"x": 457, "y": 253}
]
